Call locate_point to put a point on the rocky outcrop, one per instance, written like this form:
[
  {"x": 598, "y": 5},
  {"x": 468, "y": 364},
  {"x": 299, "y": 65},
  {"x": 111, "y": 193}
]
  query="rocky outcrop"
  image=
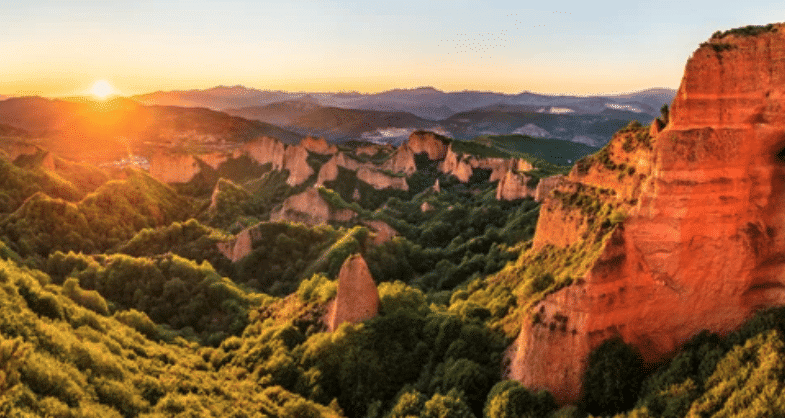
[
  {"x": 380, "y": 180},
  {"x": 266, "y": 150},
  {"x": 545, "y": 186},
  {"x": 181, "y": 168},
  {"x": 401, "y": 161},
  {"x": 514, "y": 186},
  {"x": 357, "y": 298},
  {"x": 173, "y": 168},
  {"x": 240, "y": 246},
  {"x": 310, "y": 208},
  {"x": 318, "y": 146},
  {"x": 462, "y": 166},
  {"x": 328, "y": 171},
  {"x": 703, "y": 245},
  {"x": 500, "y": 166},
  {"x": 429, "y": 143},
  {"x": 349, "y": 163},
  {"x": 296, "y": 161},
  {"x": 382, "y": 231},
  {"x": 456, "y": 166}
]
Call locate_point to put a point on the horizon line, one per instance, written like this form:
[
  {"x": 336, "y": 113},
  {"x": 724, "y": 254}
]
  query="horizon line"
[{"x": 131, "y": 95}]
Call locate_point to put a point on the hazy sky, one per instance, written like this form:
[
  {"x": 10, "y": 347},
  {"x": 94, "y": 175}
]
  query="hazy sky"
[{"x": 62, "y": 47}]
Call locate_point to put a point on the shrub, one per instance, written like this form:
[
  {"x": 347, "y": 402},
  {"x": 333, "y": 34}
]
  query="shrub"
[{"x": 509, "y": 399}]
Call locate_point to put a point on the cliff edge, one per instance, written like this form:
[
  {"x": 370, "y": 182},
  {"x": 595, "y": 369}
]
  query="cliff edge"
[{"x": 697, "y": 236}]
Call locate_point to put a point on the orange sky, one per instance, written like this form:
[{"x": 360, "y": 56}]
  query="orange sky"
[{"x": 61, "y": 48}]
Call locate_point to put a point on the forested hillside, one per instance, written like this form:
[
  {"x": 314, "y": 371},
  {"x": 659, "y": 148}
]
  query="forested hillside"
[{"x": 124, "y": 296}]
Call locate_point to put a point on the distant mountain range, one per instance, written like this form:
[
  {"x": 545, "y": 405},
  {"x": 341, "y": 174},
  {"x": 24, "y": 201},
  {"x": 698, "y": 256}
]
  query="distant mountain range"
[
  {"x": 230, "y": 114},
  {"x": 390, "y": 116},
  {"x": 335, "y": 123},
  {"x": 424, "y": 102}
]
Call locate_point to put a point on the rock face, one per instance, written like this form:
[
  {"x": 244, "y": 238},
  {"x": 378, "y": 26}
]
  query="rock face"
[
  {"x": 318, "y": 146},
  {"x": 357, "y": 298},
  {"x": 703, "y": 246},
  {"x": 310, "y": 208},
  {"x": 402, "y": 161},
  {"x": 173, "y": 168},
  {"x": 328, "y": 171},
  {"x": 383, "y": 231},
  {"x": 346, "y": 162},
  {"x": 514, "y": 186},
  {"x": 240, "y": 246},
  {"x": 429, "y": 143},
  {"x": 380, "y": 180},
  {"x": 545, "y": 186},
  {"x": 295, "y": 160},
  {"x": 455, "y": 165},
  {"x": 266, "y": 150},
  {"x": 500, "y": 166},
  {"x": 181, "y": 168},
  {"x": 462, "y": 166}
]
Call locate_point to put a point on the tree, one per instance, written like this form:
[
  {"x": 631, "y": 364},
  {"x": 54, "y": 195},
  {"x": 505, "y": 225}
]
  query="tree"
[
  {"x": 613, "y": 378},
  {"x": 509, "y": 399},
  {"x": 664, "y": 115}
]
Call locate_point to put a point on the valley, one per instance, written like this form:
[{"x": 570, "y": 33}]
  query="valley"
[{"x": 233, "y": 252}]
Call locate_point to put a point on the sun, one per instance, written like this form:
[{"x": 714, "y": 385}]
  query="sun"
[{"x": 102, "y": 89}]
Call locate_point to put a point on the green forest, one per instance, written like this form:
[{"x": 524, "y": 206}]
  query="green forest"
[{"x": 116, "y": 301}]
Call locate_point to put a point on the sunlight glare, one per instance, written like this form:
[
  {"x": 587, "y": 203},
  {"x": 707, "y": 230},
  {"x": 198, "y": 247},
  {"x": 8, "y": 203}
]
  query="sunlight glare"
[{"x": 102, "y": 89}]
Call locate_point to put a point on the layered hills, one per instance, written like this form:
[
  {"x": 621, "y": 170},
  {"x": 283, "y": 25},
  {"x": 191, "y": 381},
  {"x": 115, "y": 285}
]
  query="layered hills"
[
  {"x": 110, "y": 130},
  {"x": 334, "y": 123},
  {"x": 425, "y": 102}
]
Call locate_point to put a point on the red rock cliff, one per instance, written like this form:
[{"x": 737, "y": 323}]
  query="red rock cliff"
[
  {"x": 703, "y": 246},
  {"x": 357, "y": 298}
]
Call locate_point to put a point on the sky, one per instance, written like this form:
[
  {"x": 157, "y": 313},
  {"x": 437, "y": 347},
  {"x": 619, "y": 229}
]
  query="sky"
[{"x": 61, "y": 48}]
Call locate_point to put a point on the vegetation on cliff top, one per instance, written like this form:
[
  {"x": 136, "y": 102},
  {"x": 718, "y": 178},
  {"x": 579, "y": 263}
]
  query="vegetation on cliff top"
[{"x": 750, "y": 30}]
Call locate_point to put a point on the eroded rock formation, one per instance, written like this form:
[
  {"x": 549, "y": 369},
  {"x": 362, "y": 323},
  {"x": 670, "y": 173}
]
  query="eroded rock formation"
[
  {"x": 240, "y": 246},
  {"x": 703, "y": 245},
  {"x": 429, "y": 143},
  {"x": 310, "y": 208},
  {"x": 295, "y": 160},
  {"x": 266, "y": 150},
  {"x": 545, "y": 186},
  {"x": 514, "y": 186},
  {"x": 380, "y": 180},
  {"x": 173, "y": 168},
  {"x": 318, "y": 145},
  {"x": 456, "y": 165},
  {"x": 328, "y": 171},
  {"x": 401, "y": 161},
  {"x": 382, "y": 231},
  {"x": 357, "y": 298}
]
